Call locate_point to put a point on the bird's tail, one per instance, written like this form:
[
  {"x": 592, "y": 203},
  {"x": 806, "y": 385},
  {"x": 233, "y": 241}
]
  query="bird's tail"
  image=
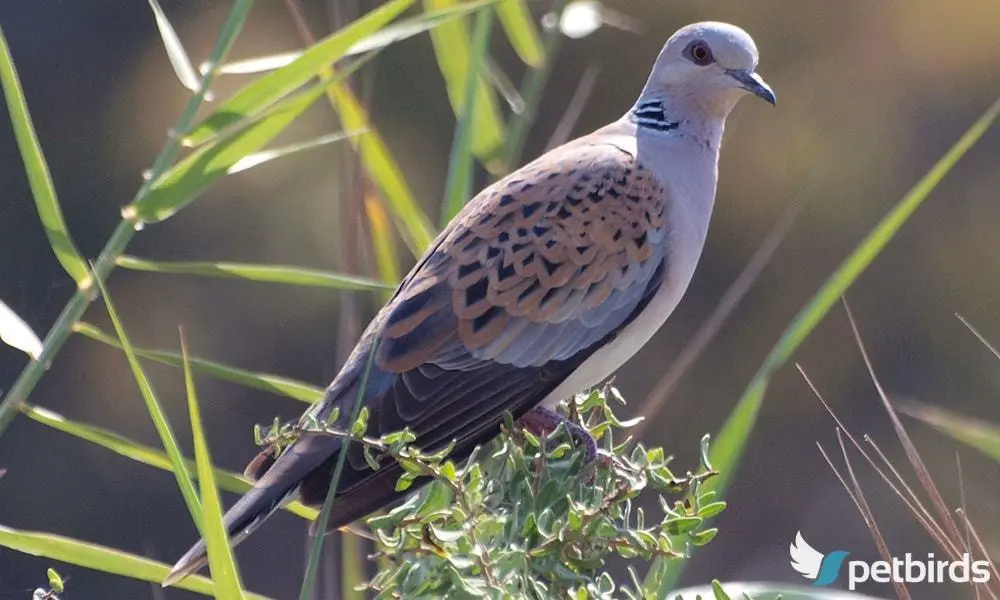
[{"x": 278, "y": 484}]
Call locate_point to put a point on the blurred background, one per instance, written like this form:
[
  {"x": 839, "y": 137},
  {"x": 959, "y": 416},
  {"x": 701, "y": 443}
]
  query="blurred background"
[{"x": 869, "y": 96}]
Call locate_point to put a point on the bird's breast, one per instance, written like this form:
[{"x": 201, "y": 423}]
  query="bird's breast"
[
  {"x": 605, "y": 361},
  {"x": 691, "y": 189}
]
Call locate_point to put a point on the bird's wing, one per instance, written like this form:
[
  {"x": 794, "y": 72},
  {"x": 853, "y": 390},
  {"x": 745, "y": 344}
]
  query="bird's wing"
[
  {"x": 541, "y": 266},
  {"x": 531, "y": 278},
  {"x": 534, "y": 275}
]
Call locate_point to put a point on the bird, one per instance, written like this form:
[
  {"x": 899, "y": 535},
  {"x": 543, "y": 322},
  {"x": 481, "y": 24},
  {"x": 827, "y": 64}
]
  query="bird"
[{"x": 544, "y": 284}]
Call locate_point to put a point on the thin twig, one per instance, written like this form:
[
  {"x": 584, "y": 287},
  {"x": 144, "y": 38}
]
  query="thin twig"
[
  {"x": 964, "y": 510},
  {"x": 883, "y": 548},
  {"x": 976, "y": 333},
  {"x": 575, "y": 107},
  {"x": 932, "y": 527},
  {"x": 910, "y": 499},
  {"x": 904, "y": 438},
  {"x": 982, "y": 549}
]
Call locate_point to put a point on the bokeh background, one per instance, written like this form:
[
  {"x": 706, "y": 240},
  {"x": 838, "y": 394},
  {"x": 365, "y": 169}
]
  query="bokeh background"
[{"x": 870, "y": 94}]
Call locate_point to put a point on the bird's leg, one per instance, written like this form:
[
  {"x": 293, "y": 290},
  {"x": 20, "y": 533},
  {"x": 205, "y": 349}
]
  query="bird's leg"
[{"x": 542, "y": 421}]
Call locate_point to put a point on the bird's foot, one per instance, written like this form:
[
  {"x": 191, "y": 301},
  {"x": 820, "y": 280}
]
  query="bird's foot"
[{"x": 542, "y": 421}]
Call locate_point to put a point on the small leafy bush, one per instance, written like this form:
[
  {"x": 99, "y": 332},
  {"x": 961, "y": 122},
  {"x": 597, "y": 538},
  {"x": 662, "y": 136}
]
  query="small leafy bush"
[{"x": 532, "y": 517}]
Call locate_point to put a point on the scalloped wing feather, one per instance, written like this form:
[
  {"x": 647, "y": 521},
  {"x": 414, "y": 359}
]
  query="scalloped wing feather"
[{"x": 536, "y": 268}]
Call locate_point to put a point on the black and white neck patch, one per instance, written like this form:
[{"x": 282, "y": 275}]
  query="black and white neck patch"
[{"x": 653, "y": 115}]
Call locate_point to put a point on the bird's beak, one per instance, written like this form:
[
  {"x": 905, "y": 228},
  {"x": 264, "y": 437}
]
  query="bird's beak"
[{"x": 753, "y": 83}]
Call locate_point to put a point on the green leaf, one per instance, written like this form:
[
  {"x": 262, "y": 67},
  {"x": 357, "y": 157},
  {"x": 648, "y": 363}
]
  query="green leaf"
[
  {"x": 220, "y": 555},
  {"x": 360, "y": 424},
  {"x": 683, "y": 525},
  {"x": 18, "y": 334},
  {"x": 718, "y": 592},
  {"x": 259, "y": 158},
  {"x": 704, "y": 536},
  {"x": 458, "y": 186},
  {"x": 517, "y": 23},
  {"x": 175, "y": 50},
  {"x": 266, "y": 382},
  {"x": 453, "y": 50},
  {"x": 37, "y": 170},
  {"x": 56, "y": 582},
  {"x": 266, "y": 90},
  {"x": 163, "y": 428},
  {"x": 975, "y": 433},
  {"x": 231, "y": 482},
  {"x": 264, "y": 273},
  {"x": 711, "y": 510},
  {"x": 386, "y": 36},
  {"x": 101, "y": 558},
  {"x": 181, "y": 184},
  {"x": 729, "y": 444}
]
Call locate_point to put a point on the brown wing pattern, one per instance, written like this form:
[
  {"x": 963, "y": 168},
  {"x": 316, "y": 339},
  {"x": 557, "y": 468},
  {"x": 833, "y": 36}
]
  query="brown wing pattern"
[{"x": 539, "y": 266}]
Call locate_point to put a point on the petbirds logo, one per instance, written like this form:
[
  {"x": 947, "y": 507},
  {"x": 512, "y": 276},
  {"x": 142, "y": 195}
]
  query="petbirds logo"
[{"x": 824, "y": 569}]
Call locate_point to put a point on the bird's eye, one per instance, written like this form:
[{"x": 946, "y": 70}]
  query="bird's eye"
[{"x": 699, "y": 53}]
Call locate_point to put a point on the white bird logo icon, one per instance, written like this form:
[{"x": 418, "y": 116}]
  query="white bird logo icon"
[{"x": 806, "y": 560}]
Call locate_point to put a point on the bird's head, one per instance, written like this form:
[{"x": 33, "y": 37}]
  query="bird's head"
[{"x": 710, "y": 64}]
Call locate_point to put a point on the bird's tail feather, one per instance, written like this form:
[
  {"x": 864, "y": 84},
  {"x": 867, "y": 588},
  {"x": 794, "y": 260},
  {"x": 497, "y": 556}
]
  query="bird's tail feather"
[{"x": 277, "y": 485}]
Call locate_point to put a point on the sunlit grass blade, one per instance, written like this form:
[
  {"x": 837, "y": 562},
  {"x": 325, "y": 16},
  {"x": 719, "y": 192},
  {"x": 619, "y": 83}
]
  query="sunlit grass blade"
[
  {"x": 270, "y": 88},
  {"x": 17, "y": 334},
  {"x": 517, "y": 23},
  {"x": 266, "y": 382},
  {"x": 389, "y": 34},
  {"x": 259, "y": 158},
  {"x": 505, "y": 87},
  {"x": 284, "y": 274},
  {"x": 167, "y": 437},
  {"x": 175, "y": 49},
  {"x": 102, "y": 558},
  {"x": 37, "y": 170},
  {"x": 729, "y": 444},
  {"x": 184, "y": 182},
  {"x": 976, "y": 433},
  {"x": 352, "y": 566},
  {"x": 220, "y": 554},
  {"x": 258, "y": 64},
  {"x": 141, "y": 453},
  {"x": 383, "y": 170},
  {"x": 454, "y": 51},
  {"x": 319, "y": 526},
  {"x": 382, "y": 242},
  {"x": 461, "y": 164},
  {"x": 123, "y": 233},
  {"x": 423, "y": 22}
]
